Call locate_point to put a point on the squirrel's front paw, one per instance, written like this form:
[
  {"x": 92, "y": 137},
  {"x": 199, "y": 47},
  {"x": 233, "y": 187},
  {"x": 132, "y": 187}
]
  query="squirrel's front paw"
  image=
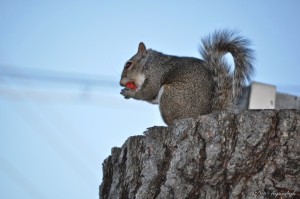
[{"x": 127, "y": 93}]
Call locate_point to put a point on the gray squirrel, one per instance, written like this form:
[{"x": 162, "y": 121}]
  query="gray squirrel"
[{"x": 187, "y": 87}]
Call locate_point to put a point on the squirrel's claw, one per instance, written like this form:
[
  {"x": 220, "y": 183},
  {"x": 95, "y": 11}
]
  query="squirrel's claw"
[{"x": 127, "y": 93}]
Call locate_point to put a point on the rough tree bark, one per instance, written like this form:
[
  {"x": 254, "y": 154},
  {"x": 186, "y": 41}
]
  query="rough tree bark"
[{"x": 255, "y": 154}]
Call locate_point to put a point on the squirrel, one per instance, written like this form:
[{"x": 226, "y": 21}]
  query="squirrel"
[{"x": 187, "y": 87}]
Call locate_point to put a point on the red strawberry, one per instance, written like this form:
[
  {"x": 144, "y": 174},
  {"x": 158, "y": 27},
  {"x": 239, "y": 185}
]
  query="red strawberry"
[{"x": 131, "y": 86}]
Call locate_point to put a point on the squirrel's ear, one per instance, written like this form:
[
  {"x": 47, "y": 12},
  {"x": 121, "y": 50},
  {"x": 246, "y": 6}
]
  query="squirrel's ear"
[{"x": 142, "y": 48}]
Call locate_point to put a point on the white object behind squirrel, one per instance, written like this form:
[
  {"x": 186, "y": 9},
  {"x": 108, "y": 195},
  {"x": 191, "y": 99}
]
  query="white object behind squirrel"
[{"x": 186, "y": 87}]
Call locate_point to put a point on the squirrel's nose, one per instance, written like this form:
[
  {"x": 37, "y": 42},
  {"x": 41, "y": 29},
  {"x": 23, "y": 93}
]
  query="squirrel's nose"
[
  {"x": 121, "y": 84},
  {"x": 124, "y": 81}
]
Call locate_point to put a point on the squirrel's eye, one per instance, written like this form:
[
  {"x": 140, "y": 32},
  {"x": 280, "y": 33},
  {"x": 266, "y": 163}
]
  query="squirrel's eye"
[{"x": 128, "y": 64}]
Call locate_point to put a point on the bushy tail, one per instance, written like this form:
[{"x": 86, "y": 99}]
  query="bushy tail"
[{"x": 228, "y": 87}]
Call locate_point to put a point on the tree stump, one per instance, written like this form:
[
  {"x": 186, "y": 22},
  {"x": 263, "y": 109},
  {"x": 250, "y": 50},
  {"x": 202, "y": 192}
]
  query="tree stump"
[{"x": 254, "y": 154}]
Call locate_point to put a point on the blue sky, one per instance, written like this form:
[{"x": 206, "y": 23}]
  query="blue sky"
[{"x": 54, "y": 136}]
